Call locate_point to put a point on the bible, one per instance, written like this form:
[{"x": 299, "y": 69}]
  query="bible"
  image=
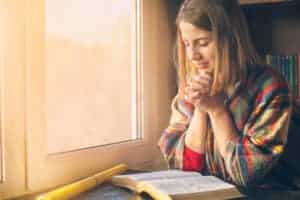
[{"x": 177, "y": 185}]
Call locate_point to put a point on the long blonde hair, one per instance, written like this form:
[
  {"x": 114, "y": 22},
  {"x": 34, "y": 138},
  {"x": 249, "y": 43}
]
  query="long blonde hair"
[{"x": 234, "y": 49}]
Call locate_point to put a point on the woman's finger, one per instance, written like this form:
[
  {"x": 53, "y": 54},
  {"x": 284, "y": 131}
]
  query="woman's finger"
[
  {"x": 198, "y": 87},
  {"x": 194, "y": 95},
  {"x": 203, "y": 76},
  {"x": 205, "y": 73}
]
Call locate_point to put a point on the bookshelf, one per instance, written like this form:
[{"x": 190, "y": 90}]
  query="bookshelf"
[{"x": 275, "y": 30}]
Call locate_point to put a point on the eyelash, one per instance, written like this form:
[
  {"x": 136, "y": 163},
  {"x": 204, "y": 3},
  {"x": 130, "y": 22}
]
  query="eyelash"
[
  {"x": 203, "y": 44},
  {"x": 200, "y": 44}
]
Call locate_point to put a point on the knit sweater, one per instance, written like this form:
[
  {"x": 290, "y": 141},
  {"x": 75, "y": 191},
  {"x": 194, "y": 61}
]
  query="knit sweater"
[{"x": 260, "y": 108}]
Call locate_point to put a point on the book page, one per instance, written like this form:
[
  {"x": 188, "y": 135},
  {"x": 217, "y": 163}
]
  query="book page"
[
  {"x": 160, "y": 175},
  {"x": 188, "y": 185}
]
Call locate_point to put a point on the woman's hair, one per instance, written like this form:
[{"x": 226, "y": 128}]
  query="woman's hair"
[{"x": 234, "y": 50}]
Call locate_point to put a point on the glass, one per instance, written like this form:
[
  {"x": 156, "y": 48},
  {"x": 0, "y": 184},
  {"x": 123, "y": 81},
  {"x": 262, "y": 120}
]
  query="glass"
[{"x": 90, "y": 70}]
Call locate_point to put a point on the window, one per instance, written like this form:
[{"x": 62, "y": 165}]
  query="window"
[
  {"x": 71, "y": 82},
  {"x": 54, "y": 92},
  {"x": 90, "y": 73}
]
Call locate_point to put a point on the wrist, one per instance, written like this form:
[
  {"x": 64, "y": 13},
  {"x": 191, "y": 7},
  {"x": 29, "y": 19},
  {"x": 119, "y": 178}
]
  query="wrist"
[
  {"x": 196, "y": 144},
  {"x": 217, "y": 111},
  {"x": 198, "y": 111}
]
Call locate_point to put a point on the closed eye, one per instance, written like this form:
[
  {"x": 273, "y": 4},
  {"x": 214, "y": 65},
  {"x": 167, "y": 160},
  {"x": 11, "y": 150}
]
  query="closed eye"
[{"x": 202, "y": 42}]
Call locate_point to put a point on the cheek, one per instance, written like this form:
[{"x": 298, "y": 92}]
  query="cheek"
[{"x": 211, "y": 54}]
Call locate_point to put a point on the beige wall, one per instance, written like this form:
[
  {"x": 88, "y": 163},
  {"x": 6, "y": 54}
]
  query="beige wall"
[{"x": 12, "y": 96}]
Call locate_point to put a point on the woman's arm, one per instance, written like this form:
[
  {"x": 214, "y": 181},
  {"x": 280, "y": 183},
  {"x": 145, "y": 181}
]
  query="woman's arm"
[
  {"x": 196, "y": 133},
  {"x": 195, "y": 139},
  {"x": 223, "y": 128},
  {"x": 171, "y": 142},
  {"x": 187, "y": 129}
]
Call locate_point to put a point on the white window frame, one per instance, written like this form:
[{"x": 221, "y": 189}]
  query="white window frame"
[{"x": 46, "y": 171}]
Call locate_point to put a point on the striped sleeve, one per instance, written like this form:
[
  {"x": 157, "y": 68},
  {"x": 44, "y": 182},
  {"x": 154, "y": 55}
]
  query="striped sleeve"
[
  {"x": 171, "y": 142},
  {"x": 264, "y": 135}
]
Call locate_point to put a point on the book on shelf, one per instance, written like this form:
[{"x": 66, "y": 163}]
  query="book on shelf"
[
  {"x": 298, "y": 73},
  {"x": 177, "y": 185},
  {"x": 288, "y": 66}
]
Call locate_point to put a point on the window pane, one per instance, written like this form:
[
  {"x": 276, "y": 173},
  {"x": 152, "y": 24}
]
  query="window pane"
[{"x": 89, "y": 67}]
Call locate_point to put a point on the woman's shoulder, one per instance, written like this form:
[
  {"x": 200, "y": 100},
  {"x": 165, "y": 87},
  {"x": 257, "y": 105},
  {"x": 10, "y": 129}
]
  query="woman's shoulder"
[{"x": 264, "y": 82}]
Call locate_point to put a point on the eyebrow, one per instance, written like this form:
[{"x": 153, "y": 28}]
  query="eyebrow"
[{"x": 203, "y": 38}]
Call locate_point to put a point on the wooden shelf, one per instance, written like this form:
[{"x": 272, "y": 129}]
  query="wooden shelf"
[{"x": 245, "y": 2}]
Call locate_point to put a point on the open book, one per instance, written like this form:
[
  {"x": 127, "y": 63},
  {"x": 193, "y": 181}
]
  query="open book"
[{"x": 177, "y": 185}]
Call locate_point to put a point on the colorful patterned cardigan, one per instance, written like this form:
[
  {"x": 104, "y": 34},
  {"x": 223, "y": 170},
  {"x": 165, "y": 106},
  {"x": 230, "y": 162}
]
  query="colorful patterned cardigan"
[{"x": 260, "y": 108}]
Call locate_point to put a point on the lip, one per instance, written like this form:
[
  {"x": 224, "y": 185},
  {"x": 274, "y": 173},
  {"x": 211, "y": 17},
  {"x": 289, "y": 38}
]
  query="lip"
[{"x": 202, "y": 65}]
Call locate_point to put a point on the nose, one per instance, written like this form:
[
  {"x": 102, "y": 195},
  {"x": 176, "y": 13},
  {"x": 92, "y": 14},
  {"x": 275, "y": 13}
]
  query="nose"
[{"x": 194, "y": 54}]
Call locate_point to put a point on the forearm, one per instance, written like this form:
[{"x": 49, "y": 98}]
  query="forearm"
[
  {"x": 223, "y": 128},
  {"x": 196, "y": 133}
]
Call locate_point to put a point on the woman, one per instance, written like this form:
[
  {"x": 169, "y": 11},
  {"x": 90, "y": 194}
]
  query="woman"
[{"x": 230, "y": 117}]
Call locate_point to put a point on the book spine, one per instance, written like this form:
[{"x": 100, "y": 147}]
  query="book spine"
[
  {"x": 298, "y": 69},
  {"x": 291, "y": 74},
  {"x": 285, "y": 68},
  {"x": 273, "y": 62},
  {"x": 268, "y": 59},
  {"x": 296, "y": 74},
  {"x": 279, "y": 64},
  {"x": 288, "y": 71}
]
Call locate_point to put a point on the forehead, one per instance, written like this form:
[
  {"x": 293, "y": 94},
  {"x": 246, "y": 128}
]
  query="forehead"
[{"x": 189, "y": 31}]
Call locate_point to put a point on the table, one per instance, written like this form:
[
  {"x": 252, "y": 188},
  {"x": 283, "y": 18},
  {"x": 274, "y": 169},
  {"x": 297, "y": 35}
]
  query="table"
[
  {"x": 109, "y": 192},
  {"x": 96, "y": 188}
]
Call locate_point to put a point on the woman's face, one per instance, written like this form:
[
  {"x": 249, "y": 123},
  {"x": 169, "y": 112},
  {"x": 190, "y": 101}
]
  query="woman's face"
[{"x": 199, "y": 45}]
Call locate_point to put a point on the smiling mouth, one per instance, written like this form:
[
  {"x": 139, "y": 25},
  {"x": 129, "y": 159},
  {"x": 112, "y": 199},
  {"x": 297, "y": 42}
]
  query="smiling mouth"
[{"x": 202, "y": 65}]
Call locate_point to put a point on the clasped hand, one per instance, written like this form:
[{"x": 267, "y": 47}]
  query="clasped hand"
[{"x": 197, "y": 92}]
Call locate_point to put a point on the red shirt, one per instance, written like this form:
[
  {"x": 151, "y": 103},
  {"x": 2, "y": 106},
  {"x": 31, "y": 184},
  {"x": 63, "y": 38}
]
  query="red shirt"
[{"x": 192, "y": 161}]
